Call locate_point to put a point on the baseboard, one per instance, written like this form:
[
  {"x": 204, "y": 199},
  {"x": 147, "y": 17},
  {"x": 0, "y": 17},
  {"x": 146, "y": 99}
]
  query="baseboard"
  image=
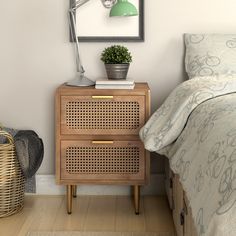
[{"x": 45, "y": 185}]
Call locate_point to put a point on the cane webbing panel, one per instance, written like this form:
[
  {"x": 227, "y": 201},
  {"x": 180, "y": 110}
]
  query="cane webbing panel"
[
  {"x": 102, "y": 115},
  {"x": 102, "y": 160},
  {"x": 119, "y": 115}
]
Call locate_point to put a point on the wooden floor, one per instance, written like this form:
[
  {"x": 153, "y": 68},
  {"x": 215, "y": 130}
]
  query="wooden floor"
[{"x": 90, "y": 213}]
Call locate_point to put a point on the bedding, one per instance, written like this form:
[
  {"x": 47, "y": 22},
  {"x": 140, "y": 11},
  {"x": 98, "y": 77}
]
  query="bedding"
[
  {"x": 210, "y": 54},
  {"x": 196, "y": 129}
]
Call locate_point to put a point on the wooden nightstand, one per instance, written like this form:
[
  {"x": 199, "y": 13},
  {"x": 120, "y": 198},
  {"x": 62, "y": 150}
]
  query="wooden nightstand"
[{"x": 97, "y": 137}]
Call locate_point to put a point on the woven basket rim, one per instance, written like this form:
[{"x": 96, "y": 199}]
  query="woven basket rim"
[{"x": 8, "y": 136}]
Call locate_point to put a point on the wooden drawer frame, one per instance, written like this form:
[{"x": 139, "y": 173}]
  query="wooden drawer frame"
[
  {"x": 96, "y": 120},
  {"x": 117, "y": 169}
]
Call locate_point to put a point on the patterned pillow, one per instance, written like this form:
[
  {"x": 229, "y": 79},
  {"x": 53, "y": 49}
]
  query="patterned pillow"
[{"x": 210, "y": 54}]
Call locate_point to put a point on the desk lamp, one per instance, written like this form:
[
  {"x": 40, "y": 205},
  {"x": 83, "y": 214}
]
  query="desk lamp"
[{"x": 118, "y": 8}]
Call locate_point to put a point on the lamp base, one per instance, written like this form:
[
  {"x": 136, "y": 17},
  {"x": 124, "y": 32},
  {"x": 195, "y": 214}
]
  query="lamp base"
[{"x": 80, "y": 81}]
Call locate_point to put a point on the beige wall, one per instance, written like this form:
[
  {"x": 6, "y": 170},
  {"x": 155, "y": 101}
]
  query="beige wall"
[{"x": 35, "y": 56}]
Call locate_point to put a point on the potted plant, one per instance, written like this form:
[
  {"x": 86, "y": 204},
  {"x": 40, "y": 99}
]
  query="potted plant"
[{"x": 116, "y": 59}]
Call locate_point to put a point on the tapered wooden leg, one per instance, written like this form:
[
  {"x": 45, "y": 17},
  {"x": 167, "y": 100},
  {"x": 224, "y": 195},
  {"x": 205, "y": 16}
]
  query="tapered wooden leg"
[
  {"x": 69, "y": 198},
  {"x": 136, "y": 198},
  {"x": 74, "y": 190}
]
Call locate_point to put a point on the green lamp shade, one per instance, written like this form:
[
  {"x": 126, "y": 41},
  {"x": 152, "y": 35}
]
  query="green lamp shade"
[{"x": 123, "y": 8}]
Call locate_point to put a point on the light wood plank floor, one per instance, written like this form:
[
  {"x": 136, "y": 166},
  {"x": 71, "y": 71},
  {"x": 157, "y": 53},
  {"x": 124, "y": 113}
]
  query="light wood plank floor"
[{"x": 90, "y": 213}]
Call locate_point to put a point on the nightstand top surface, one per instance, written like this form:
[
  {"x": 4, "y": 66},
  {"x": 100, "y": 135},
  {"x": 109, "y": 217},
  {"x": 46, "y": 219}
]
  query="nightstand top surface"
[{"x": 140, "y": 88}]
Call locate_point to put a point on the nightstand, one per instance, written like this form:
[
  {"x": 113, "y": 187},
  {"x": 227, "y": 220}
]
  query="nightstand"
[{"x": 97, "y": 137}]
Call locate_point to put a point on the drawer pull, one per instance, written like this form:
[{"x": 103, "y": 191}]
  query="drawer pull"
[
  {"x": 102, "y": 142},
  {"x": 101, "y": 97}
]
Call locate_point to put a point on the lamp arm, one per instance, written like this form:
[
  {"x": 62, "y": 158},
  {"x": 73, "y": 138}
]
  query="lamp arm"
[
  {"x": 80, "y": 79},
  {"x": 78, "y": 4},
  {"x": 74, "y": 35}
]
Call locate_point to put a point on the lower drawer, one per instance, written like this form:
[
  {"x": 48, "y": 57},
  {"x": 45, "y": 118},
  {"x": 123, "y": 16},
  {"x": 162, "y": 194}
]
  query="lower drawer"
[{"x": 103, "y": 161}]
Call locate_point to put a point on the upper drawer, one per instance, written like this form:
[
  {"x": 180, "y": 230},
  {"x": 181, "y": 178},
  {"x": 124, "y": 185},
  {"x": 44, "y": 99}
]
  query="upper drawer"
[{"x": 118, "y": 115}]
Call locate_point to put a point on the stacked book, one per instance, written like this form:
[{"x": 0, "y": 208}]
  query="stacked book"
[{"x": 114, "y": 84}]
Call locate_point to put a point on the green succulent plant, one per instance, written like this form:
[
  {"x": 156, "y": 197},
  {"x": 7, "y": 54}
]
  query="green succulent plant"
[{"x": 116, "y": 54}]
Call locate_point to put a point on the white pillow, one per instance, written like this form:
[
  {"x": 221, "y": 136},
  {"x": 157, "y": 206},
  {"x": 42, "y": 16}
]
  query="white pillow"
[{"x": 210, "y": 54}]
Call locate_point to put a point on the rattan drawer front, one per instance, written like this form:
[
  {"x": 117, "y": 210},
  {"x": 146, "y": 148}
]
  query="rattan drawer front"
[
  {"x": 102, "y": 114},
  {"x": 118, "y": 160}
]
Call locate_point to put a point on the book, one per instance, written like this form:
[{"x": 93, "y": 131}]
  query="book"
[
  {"x": 114, "y": 86},
  {"x": 114, "y": 82}
]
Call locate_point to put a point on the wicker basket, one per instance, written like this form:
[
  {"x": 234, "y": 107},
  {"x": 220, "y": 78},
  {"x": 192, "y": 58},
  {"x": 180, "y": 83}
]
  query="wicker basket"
[{"x": 12, "y": 181}]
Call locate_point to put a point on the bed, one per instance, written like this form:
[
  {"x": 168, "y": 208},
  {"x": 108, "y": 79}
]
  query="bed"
[{"x": 195, "y": 128}]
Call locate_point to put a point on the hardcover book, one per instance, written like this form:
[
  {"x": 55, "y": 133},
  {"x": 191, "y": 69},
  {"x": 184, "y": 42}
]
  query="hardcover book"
[
  {"x": 114, "y": 86},
  {"x": 114, "y": 82}
]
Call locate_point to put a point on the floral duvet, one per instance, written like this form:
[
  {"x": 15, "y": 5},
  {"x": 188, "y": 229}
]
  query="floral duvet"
[{"x": 196, "y": 129}]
